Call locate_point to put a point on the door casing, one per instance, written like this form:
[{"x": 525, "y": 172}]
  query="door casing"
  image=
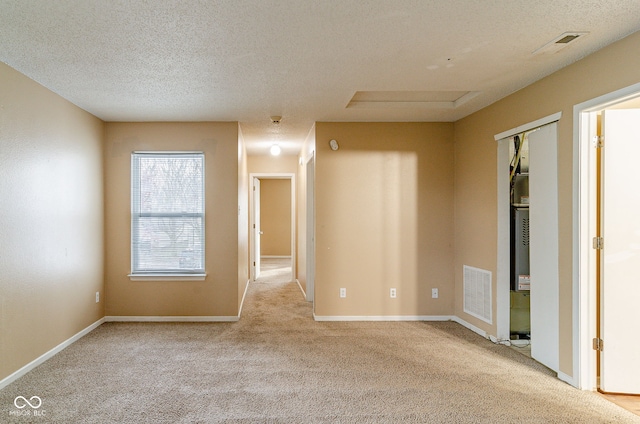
[
  {"x": 252, "y": 251},
  {"x": 311, "y": 230},
  {"x": 584, "y": 229},
  {"x": 503, "y": 254}
]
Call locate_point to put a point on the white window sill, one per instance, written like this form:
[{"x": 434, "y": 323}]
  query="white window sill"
[{"x": 167, "y": 277}]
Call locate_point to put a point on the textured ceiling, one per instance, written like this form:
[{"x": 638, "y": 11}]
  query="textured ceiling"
[{"x": 247, "y": 60}]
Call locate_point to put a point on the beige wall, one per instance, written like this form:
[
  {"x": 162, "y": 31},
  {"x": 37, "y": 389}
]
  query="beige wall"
[
  {"x": 608, "y": 70},
  {"x": 384, "y": 218},
  {"x": 51, "y": 220},
  {"x": 275, "y": 217},
  {"x": 218, "y": 294},
  {"x": 283, "y": 164}
]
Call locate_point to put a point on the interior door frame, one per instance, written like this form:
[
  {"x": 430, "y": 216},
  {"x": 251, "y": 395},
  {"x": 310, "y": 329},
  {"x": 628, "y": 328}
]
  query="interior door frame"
[
  {"x": 310, "y": 230},
  {"x": 272, "y": 176},
  {"x": 584, "y": 229},
  {"x": 503, "y": 267},
  {"x": 256, "y": 241}
]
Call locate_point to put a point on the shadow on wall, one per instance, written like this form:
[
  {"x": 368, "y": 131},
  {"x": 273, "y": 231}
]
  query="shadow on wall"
[{"x": 385, "y": 220}]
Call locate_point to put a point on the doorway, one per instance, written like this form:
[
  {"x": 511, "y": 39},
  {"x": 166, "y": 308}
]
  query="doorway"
[
  {"x": 310, "y": 229},
  {"x": 267, "y": 218},
  {"x": 542, "y": 234},
  {"x": 607, "y": 246}
]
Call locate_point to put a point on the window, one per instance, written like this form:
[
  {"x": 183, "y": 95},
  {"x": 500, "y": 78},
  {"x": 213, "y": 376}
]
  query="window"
[{"x": 167, "y": 213}]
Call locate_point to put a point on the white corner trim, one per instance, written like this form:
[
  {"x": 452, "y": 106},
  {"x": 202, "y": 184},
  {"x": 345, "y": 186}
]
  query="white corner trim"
[
  {"x": 171, "y": 318},
  {"x": 246, "y": 288},
  {"x": 472, "y": 327},
  {"x": 301, "y": 289},
  {"x": 42, "y": 358},
  {"x": 529, "y": 126},
  {"x": 567, "y": 379},
  {"x": 383, "y": 317}
]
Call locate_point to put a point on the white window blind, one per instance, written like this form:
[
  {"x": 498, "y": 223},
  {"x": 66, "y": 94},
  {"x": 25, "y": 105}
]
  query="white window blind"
[{"x": 167, "y": 213}]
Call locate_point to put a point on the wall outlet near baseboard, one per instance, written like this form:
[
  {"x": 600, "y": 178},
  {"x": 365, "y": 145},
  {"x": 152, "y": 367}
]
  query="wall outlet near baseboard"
[
  {"x": 434, "y": 293},
  {"x": 97, "y": 297},
  {"x": 392, "y": 293},
  {"x": 343, "y": 292}
]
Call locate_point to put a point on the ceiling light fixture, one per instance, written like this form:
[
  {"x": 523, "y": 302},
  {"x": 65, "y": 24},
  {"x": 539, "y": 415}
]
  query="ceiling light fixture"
[{"x": 275, "y": 150}]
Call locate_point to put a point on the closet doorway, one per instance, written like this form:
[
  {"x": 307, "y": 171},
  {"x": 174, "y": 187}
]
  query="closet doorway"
[{"x": 536, "y": 208}]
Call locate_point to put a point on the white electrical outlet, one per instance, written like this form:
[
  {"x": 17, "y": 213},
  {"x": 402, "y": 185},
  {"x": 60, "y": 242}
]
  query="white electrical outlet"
[
  {"x": 434, "y": 293},
  {"x": 343, "y": 292},
  {"x": 97, "y": 297},
  {"x": 392, "y": 293}
]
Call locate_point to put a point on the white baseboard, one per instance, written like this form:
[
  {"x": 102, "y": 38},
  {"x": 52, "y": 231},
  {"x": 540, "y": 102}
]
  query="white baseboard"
[
  {"x": 42, "y": 358},
  {"x": 405, "y": 318},
  {"x": 383, "y": 318},
  {"x": 244, "y": 294},
  {"x": 171, "y": 318},
  {"x": 473, "y": 328},
  {"x": 561, "y": 376},
  {"x": 301, "y": 289}
]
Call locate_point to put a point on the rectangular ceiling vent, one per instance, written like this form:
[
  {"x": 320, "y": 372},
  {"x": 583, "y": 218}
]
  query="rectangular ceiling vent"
[
  {"x": 567, "y": 39},
  {"x": 477, "y": 293},
  {"x": 560, "y": 42}
]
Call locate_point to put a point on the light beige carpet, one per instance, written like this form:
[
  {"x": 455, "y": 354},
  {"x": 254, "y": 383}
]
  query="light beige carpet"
[{"x": 276, "y": 365}]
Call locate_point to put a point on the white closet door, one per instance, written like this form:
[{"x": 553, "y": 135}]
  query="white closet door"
[
  {"x": 543, "y": 245},
  {"x": 620, "y": 325}
]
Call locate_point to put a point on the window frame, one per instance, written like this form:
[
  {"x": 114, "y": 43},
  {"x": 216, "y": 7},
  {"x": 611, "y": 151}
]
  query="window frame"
[{"x": 159, "y": 274}]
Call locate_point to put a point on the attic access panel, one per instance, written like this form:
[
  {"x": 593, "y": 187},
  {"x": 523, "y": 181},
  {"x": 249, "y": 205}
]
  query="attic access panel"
[{"x": 410, "y": 99}]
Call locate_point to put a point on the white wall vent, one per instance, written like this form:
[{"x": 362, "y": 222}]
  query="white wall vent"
[{"x": 477, "y": 293}]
